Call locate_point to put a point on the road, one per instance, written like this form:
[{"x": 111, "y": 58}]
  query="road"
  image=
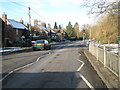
[{"x": 64, "y": 66}]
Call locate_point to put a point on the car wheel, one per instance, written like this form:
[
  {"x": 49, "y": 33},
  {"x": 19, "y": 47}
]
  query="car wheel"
[
  {"x": 44, "y": 48},
  {"x": 49, "y": 48}
]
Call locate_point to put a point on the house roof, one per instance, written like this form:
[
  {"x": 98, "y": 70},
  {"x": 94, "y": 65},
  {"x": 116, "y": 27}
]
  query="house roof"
[
  {"x": 41, "y": 27},
  {"x": 50, "y": 29},
  {"x": 16, "y": 24}
]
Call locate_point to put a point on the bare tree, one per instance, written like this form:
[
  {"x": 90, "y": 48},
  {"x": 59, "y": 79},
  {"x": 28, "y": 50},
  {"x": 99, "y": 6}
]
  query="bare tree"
[{"x": 101, "y": 6}]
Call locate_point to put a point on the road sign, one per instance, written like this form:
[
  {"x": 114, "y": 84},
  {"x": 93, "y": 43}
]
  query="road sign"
[{"x": 84, "y": 36}]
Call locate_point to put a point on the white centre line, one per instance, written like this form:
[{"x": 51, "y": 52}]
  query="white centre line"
[
  {"x": 19, "y": 69},
  {"x": 24, "y": 66},
  {"x": 38, "y": 59}
]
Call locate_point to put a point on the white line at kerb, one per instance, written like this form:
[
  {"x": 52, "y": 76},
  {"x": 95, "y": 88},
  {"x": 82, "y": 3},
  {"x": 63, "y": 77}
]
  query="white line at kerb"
[{"x": 86, "y": 81}]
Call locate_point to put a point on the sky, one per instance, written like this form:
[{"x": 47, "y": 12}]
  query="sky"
[{"x": 50, "y": 11}]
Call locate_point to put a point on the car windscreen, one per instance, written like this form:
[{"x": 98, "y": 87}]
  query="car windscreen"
[{"x": 40, "y": 41}]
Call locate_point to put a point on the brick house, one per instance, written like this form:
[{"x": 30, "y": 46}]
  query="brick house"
[
  {"x": 13, "y": 32},
  {"x": 61, "y": 33},
  {"x": 51, "y": 33},
  {"x": 40, "y": 30}
]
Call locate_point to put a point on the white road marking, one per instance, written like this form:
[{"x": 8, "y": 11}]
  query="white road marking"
[
  {"x": 84, "y": 79},
  {"x": 38, "y": 59},
  {"x": 79, "y": 54},
  {"x": 81, "y": 65},
  {"x": 19, "y": 68},
  {"x": 87, "y": 82},
  {"x": 6, "y": 76},
  {"x": 24, "y": 66}
]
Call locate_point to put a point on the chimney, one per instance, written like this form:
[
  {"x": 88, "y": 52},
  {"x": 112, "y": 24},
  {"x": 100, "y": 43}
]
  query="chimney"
[
  {"x": 43, "y": 24},
  {"x": 4, "y": 17},
  {"x": 49, "y": 26},
  {"x": 35, "y": 22},
  {"x": 21, "y": 21}
]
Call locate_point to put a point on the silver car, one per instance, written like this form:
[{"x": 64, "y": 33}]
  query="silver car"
[{"x": 41, "y": 44}]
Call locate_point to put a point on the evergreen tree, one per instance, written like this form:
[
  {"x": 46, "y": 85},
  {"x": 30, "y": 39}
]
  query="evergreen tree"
[
  {"x": 60, "y": 27},
  {"x": 70, "y": 30},
  {"x": 76, "y": 30},
  {"x": 55, "y": 26}
]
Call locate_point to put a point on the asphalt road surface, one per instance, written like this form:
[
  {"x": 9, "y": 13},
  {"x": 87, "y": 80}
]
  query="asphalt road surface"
[{"x": 64, "y": 66}]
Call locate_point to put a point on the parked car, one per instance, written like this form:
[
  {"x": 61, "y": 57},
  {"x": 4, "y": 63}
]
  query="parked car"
[{"x": 41, "y": 44}]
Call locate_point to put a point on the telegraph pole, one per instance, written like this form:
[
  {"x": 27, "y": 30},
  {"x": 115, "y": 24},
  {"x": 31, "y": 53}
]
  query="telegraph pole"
[
  {"x": 29, "y": 18},
  {"x": 30, "y": 24}
]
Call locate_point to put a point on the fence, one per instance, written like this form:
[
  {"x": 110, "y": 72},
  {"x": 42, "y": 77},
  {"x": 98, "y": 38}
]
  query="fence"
[{"x": 109, "y": 60}]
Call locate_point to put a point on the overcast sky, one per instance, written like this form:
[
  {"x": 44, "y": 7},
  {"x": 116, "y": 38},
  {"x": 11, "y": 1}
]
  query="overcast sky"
[{"x": 61, "y": 11}]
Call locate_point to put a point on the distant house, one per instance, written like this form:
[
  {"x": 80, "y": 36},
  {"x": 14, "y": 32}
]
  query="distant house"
[
  {"x": 13, "y": 31},
  {"x": 61, "y": 33},
  {"x": 51, "y": 33},
  {"x": 40, "y": 30}
]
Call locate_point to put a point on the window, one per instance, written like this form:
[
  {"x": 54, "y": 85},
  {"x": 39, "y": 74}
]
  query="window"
[
  {"x": 46, "y": 42},
  {"x": 40, "y": 41}
]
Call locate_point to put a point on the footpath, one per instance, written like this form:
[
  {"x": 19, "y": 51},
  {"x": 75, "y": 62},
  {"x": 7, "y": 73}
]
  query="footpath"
[
  {"x": 9, "y": 50},
  {"x": 106, "y": 75}
]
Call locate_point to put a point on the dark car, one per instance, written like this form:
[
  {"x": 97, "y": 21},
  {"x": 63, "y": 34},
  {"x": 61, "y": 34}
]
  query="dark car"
[{"x": 41, "y": 44}]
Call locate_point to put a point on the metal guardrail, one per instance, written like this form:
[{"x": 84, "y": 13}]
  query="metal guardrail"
[{"x": 108, "y": 59}]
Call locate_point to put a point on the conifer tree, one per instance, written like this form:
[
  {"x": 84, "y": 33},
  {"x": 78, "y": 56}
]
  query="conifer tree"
[{"x": 55, "y": 26}]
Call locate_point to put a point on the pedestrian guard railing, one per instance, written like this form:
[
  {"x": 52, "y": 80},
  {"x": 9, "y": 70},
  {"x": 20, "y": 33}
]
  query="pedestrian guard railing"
[{"x": 108, "y": 59}]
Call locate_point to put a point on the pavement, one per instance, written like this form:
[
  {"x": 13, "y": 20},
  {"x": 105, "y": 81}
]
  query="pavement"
[
  {"x": 13, "y": 49},
  {"x": 106, "y": 75}
]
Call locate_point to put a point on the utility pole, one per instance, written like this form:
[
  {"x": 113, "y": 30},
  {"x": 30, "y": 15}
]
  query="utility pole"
[
  {"x": 29, "y": 18},
  {"x": 30, "y": 23}
]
